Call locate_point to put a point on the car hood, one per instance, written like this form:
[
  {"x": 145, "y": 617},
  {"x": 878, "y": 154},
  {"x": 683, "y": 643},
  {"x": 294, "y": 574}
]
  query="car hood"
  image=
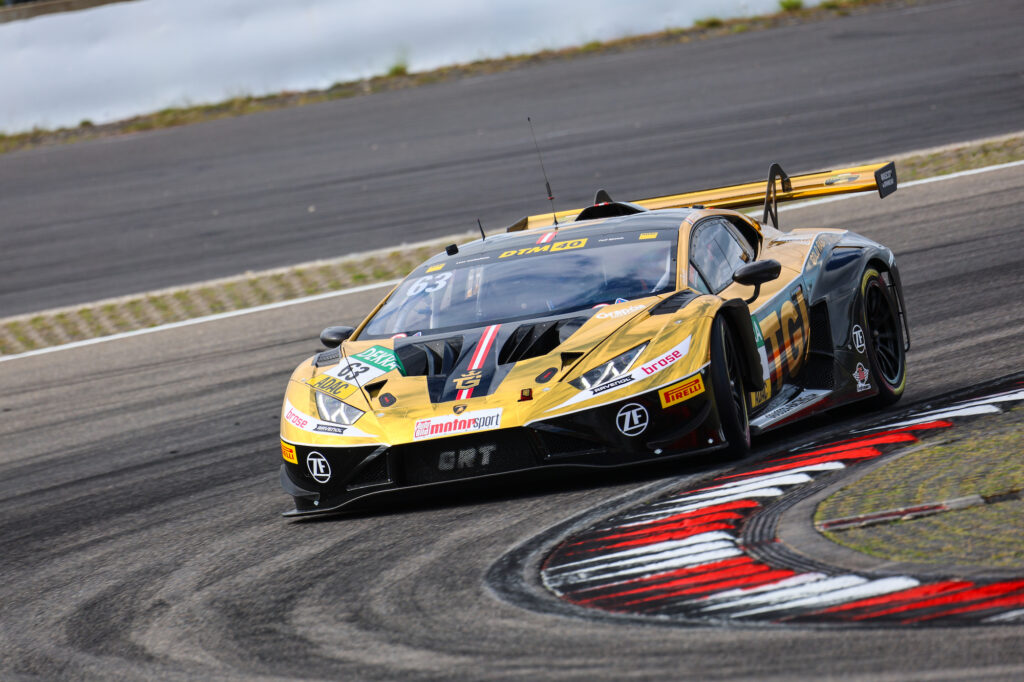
[{"x": 496, "y": 376}]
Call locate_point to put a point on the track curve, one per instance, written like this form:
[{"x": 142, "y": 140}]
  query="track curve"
[{"x": 140, "y": 506}]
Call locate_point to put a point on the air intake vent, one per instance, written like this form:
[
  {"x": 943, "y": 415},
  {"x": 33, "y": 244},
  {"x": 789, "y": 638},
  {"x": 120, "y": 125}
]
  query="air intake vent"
[
  {"x": 428, "y": 358},
  {"x": 534, "y": 340},
  {"x": 675, "y": 302}
]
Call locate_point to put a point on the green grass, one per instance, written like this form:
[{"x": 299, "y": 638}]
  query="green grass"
[
  {"x": 978, "y": 458},
  {"x": 709, "y": 22},
  {"x": 791, "y": 5}
]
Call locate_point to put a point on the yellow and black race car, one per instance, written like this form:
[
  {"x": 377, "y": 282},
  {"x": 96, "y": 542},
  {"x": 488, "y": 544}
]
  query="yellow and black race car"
[{"x": 615, "y": 334}]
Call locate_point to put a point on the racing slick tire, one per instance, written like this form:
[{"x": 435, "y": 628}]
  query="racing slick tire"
[
  {"x": 883, "y": 336},
  {"x": 730, "y": 394}
]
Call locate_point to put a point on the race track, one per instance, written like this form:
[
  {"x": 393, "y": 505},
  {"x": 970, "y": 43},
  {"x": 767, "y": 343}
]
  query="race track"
[
  {"x": 88, "y": 221},
  {"x": 141, "y": 538}
]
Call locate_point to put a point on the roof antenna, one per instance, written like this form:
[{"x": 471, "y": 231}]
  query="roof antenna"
[
  {"x": 547, "y": 185},
  {"x": 483, "y": 236}
]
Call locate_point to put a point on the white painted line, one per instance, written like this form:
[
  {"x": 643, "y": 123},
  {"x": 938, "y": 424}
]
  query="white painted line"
[
  {"x": 200, "y": 320},
  {"x": 647, "y": 570},
  {"x": 366, "y": 287},
  {"x": 712, "y": 536}
]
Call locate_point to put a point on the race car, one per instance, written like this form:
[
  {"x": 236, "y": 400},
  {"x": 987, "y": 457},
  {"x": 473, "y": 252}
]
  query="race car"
[{"x": 619, "y": 333}]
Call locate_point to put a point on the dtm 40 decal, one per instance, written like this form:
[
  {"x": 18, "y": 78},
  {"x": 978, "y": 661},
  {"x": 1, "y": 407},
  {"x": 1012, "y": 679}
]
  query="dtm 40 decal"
[{"x": 785, "y": 328}]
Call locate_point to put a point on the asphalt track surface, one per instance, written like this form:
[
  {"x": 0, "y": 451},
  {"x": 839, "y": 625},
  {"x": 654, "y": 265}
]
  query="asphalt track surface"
[
  {"x": 89, "y": 221},
  {"x": 141, "y": 538}
]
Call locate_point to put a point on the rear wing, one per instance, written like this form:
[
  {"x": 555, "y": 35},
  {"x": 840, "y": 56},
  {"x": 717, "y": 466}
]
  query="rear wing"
[{"x": 778, "y": 188}]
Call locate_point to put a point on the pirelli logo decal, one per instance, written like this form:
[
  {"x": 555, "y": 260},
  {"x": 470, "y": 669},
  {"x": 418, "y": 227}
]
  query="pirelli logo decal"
[
  {"x": 683, "y": 390},
  {"x": 543, "y": 248},
  {"x": 288, "y": 452}
]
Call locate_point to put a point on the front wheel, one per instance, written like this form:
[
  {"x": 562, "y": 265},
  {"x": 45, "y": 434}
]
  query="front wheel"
[
  {"x": 730, "y": 395},
  {"x": 883, "y": 338}
]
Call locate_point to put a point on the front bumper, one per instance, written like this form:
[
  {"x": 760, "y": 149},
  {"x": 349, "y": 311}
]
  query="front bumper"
[{"x": 604, "y": 436}]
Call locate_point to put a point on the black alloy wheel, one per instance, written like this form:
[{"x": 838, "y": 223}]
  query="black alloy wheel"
[
  {"x": 883, "y": 337},
  {"x": 730, "y": 394}
]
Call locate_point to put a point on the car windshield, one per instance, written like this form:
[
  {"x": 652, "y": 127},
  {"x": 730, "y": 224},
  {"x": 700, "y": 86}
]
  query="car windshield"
[{"x": 527, "y": 277}]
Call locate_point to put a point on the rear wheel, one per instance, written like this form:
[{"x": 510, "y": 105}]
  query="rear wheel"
[
  {"x": 883, "y": 338},
  {"x": 730, "y": 395}
]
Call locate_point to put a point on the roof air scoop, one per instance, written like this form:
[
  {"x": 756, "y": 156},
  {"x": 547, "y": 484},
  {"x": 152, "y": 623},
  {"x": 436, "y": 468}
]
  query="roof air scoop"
[{"x": 605, "y": 207}]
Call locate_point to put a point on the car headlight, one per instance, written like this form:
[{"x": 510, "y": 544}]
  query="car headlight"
[
  {"x": 333, "y": 410},
  {"x": 613, "y": 369}
]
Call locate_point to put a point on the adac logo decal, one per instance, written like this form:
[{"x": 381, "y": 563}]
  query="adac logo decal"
[
  {"x": 318, "y": 467},
  {"x": 648, "y": 235},
  {"x": 842, "y": 179},
  {"x": 288, "y": 452},
  {"x": 684, "y": 390},
  {"x": 545, "y": 248},
  {"x": 469, "y": 379},
  {"x": 631, "y": 419},
  {"x": 332, "y": 386},
  {"x": 435, "y": 268}
]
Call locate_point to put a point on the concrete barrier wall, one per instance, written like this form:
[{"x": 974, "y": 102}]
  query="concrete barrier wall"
[{"x": 115, "y": 61}]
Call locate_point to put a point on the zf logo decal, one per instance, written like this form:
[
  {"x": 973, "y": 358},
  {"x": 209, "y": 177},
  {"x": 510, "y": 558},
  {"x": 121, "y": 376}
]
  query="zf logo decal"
[
  {"x": 318, "y": 467},
  {"x": 631, "y": 419},
  {"x": 858, "y": 338}
]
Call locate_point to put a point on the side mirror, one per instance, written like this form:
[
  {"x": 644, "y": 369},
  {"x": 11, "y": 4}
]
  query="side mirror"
[
  {"x": 757, "y": 273},
  {"x": 333, "y": 336}
]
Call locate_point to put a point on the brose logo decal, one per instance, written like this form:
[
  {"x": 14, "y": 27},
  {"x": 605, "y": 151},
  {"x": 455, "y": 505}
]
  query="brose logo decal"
[
  {"x": 662, "y": 362},
  {"x": 292, "y": 416},
  {"x": 467, "y": 422},
  {"x": 557, "y": 246},
  {"x": 684, "y": 390},
  {"x": 288, "y": 452},
  {"x": 332, "y": 386}
]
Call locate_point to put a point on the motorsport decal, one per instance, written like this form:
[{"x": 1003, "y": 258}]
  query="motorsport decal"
[
  {"x": 288, "y": 452},
  {"x": 547, "y": 247},
  {"x": 470, "y": 379},
  {"x": 806, "y": 398},
  {"x": 311, "y": 424},
  {"x": 645, "y": 370},
  {"x": 709, "y": 553},
  {"x": 467, "y": 422},
  {"x": 683, "y": 390},
  {"x": 365, "y": 366},
  {"x": 648, "y": 235}
]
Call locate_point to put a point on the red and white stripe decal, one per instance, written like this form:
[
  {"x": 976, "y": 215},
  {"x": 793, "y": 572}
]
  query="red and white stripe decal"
[
  {"x": 546, "y": 237},
  {"x": 479, "y": 356},
  {"x": 685, "y": 555}
]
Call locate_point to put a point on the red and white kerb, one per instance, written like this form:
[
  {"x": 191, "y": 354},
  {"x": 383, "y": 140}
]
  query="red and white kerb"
[{"x": 477, "y": 361}]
